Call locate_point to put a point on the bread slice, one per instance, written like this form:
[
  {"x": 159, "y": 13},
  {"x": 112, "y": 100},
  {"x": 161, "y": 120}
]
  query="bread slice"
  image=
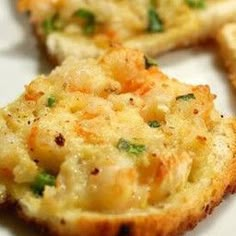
[
  {"x": 111, "y": 146},
  {"x": 154, "y": 29},
  {"x": 227, "y": 43}
]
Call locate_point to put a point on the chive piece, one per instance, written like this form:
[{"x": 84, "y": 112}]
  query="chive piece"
[
  {"x": 42, "y": 180},
  {"x": 149, "y": 62},
  {"x": 196, "y": 3},
  {"x": 51, "y": 24},
  {"x": 154, "y": 124},
  {"x": 89, "y": 20},
  {"x": 186, "y": 97},
  {"x": 131, "y": 148},
  {"x": 48, "y": 26},
  {"x": 123, "y": 144},
  {"x": 51, "y": 101},
  {"x": 155, "y": 24}
]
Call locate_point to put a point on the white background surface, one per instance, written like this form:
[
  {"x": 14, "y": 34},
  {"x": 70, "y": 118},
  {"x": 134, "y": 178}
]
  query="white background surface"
[{"x": 20, "y": 62}]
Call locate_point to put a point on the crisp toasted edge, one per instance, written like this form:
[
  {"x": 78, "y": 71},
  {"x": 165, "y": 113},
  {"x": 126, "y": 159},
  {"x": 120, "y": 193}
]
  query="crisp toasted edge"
[
  {"x": 89, "y": 224},
  {"x": 227, "y": 52},
  {"x": 43, "y": 47},
  {"x": 209, "y": 21},
  {"x": 138, "y": 225}
]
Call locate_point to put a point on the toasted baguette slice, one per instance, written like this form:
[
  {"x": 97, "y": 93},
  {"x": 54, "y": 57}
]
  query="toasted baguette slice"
[
  {"x": 177, "y": 23},
  {"x": 227, "y": 43},
  {"x": 114, "y": 147}
]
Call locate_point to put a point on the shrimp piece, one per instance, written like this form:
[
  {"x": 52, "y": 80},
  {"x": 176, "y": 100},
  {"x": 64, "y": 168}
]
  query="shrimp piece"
[
  {"x": 48, "y": 140},
  {"x": 125, "y": 66},
  {"x": 170, "y": 175},
  {"x": 128, "y": 67},
  {"x": 107, "y": 182},
  {"x": 36, "y": 89}
]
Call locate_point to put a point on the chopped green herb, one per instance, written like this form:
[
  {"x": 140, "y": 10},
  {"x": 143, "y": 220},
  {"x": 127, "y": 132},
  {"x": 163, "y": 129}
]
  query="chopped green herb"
[
  {"x": 42, "y": 180},
  {"x": 196, "y": 3},
  {"x": 51, "y": 101},
  {"x": 149, "y": 62},
  {"x": 85, "y": 14},
  {"x": 186, "y": 97},
  {"x": 154, "y": 124},
  {"x": 154, "y": 22},
  {"x": 51, "y": 24},
  {"x": 89, "y": 20},
  {"x": 132, "y": 148}
]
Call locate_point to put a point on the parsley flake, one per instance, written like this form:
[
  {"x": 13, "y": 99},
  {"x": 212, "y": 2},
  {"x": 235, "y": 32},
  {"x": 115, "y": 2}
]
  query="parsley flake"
[
  {"x": 155, "y": 24},
  {"x": 131, "y": 148},
  {"x": 154, "y": 124},
  {"x": 186, "y": 97},
  {"x": 89, "y": 20},
  {"x": 196, "y": 3},
  {"x": 51, "y": 101},
  {"x": 42, "y": 180},
  {"x": 51, "y": 24}
]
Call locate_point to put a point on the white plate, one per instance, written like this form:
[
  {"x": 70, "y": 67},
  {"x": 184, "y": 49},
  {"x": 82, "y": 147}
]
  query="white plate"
[{"x": 19, "y": 63}]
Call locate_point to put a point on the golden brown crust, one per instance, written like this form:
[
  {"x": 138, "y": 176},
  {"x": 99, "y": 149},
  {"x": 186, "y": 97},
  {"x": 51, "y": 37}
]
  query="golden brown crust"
[
  {"x": 153, "y": 225},
  {"x": 179, "y": 211},
  {"x": 226, "y": 48},
  {"x": 43, "y": 48},
  {"x": 182, "y": 219},
  {"x": 200, "y": 28},
  {"x": 209, "y": 20}
]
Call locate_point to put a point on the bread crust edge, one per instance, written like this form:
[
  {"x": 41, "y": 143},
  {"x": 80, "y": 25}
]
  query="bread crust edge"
[
  {"x": 158, "y": 225},
  {"x": 154, "y": 45}
]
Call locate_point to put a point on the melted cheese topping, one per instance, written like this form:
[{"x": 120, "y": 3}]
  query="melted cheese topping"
[
  {"x": 96, "y": 105},
  {"x": 119, "y": 19}
]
